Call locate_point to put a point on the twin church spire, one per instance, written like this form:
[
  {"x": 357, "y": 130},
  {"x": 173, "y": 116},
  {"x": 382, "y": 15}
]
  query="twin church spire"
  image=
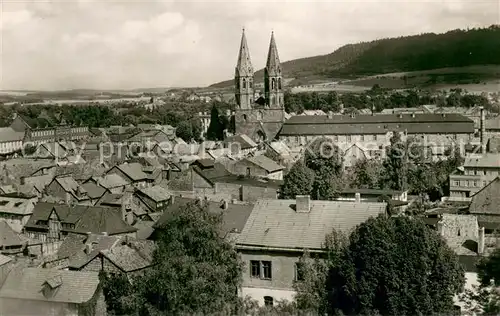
[{"x": 244, "y": 77}]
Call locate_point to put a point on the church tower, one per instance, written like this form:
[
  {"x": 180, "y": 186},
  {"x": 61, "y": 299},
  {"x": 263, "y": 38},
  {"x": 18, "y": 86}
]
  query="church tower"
[
  {"x": 262, "y": 120},
  {"x": 272, "y": 78},
  {"x": 243, "y": 77}
]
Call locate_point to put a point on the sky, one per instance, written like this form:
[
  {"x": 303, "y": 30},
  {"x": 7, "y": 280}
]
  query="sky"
[{"x": 126, "y": 44}]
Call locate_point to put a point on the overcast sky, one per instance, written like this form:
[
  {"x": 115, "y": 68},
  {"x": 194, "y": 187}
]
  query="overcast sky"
[{"x": 110, "y": 44}]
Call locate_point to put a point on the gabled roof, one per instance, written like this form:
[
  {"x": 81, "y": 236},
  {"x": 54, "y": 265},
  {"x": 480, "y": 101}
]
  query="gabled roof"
[
  {"x": 276, "y": 223},
  {"x": 280, "y": 147},
  {"x": 7, "y": 134},
  {"x": 131, "y": 255},
  {"x": 94, "y": 219},
  {"x": 156, "y": 193},
  {"x": 112, "y": 180},
  {"x": 4, "y": 259},
  {"x": 244, "y": 141},
  {"x": 265, "y": 163},
  {"x": 26, "y": 284},
  {"x": 8, "y": 237},
  {"x": 133, "y": 171},
  {"x": 93, "y": 190},
  {"x": 487, "y": 200}
]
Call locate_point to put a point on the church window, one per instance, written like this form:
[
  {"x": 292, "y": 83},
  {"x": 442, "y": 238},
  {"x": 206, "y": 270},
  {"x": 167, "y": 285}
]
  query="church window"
[
  {"x": 244, "y": 84},
  {"x": 273, "y": 84},
  {"x": 250, "y": 83},
  {"x": 244, "y": 117},
  {"x": 279, "y": 83}
]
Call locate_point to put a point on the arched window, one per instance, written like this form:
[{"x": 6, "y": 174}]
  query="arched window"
[
  {"x": 250, "y": 84},
  {"x": 279, "y": 83},
  {"x": 244, "y": 117},
  {"x": 244, "y": 84},
  {"x": 273, "y": 84}
]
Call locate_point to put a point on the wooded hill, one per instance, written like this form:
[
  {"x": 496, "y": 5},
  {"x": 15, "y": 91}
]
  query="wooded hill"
[{"x": 457, "y": 48}]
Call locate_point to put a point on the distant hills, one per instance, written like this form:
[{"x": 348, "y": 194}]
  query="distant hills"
[{"x": 453, "y": 49}]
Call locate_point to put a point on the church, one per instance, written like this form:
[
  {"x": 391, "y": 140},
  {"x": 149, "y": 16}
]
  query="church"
[{"x": 259, "y": 119}]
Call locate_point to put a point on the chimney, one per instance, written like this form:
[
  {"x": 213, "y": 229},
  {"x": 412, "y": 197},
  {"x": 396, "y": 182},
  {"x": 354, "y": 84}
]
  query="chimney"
[
  {"x": 482, "y": 132},
  {"x": 357, "y": 197},
  {"x": 330, "y": 114},
  {"x": 480, "y": 241},
  {"x": 302, "y": 204}
]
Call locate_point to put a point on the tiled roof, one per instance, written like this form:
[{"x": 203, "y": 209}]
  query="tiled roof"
[
  {"x": 214, "y": 173},
  {"x": 67, "y": 183},
  {"x": 112, "y": 199},
  {"x": 15, "y": 205},
  {"x": 8, "y": 237},
  {"x": 487, "y": 200},
  {"x": 280, "y": 147},
  {"x": 234, "y": 217},
  {"x": 7, "y": 189},
  {"x": 244, "y": 141},
  {"x": 377, "y": 124},
  {"x": 156, "y": 193},
  {"x": 133, "y": 170},
  {"x": 144, "y": 229},
  {"x": 131, "y": 255},
  {"x": 77, "y": 253},
  {"x": 275, "y": 223},
  {"x": 7, "y": 134},
  {"x": 93, "y": 190},
  {"x": 113, "y": 180},
  {"x": 26, "y": 284},
  {"x": 4, "y": 259},
  {"x": 265, "y": 163},
  {"x": 55, "y": 149},
  {"x": 488, "y": 160},
  {"x": 94, "y": 219}
]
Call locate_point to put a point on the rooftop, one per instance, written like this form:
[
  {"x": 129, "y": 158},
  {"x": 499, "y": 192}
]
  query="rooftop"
[{"x": 277, "y": 224}]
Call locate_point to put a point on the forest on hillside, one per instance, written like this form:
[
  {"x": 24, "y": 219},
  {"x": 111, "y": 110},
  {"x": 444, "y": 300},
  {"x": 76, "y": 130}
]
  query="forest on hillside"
[{"x": 456, "y": 48}]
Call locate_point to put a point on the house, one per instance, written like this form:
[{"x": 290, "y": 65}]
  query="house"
[
  {"x": 112, "y": 183},
  {"x": 258, "y": 166},
  {"x": 279, "y": 152},
  {"x": 10, "y": 240},
  {"x": 234, "y": 215},
  {"x": 240, "y": 145},
  {"x": 67, "y": 189},
  {"x": 217, "y": 180},
  {"x": 133, "y": 173},
  {"x": 129, "y": 256},
  {"x": 52, "y": 221},
  {"x": 153, "y": 199},
  {"x": 38, "y": 291},
  {"x": 16, "y": 209},
  {"x": 485, "y": 205},
  {"x": 278, "y": 231},
  {"x": 94, "y": 191},
  {"x": 11, "y": 141},
  {"x": 373, "y": 132},
  {"x": 476, "y": 172}
]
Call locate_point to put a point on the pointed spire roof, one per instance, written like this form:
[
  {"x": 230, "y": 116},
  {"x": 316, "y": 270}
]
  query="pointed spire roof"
[
  {"x": 244, "y": 65},
  {"x": 273, "y": 64}
]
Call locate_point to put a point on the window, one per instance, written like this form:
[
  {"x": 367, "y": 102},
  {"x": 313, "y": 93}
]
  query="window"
[
  {"x": 458, "y": 233},
  {"x": 244, "y": 84},
  {"x": 244, "y": 117},
  {"x": 348, "y": 137},
  {"x": 250, "y": 84},
  {"x": 456, "y": 183},
  {"x": 476, "y": 184},
  {"x": 279, "y": 83},
  {"x": 249, "y": 172},
  {"x": 268, "y": 301},
  {"x": 266, "y": 270},
  {"x": 299, "y": 273},
  {"x": 336, "y": 138},
  {"x": 362, "y": 138},
  {"x": 255, "y": 269},
  {"x": 273, "y": 84}
]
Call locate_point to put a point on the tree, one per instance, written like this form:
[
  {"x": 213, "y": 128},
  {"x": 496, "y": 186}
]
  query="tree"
[
  {"x": 325, "y": 158},
  {"x": 395, "y": 266},
  {"x": 485, "y": 298},
  {"x": 367, "y": 173},
  {"x": 395, "y": 164},
  {"x": 215, "y": 129},
  {"x": 116, "y": 288},
  {"x": 185, "y": 131},
  {"x": 298, "y": 181},
  {"x": 195, "y": 269}
]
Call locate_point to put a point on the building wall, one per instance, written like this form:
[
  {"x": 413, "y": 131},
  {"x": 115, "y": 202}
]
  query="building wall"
[
  {"x": 199, "y": 182},
  {"x": 252, "y": 194},
  {"x": 243, "y": 166},
  {"x": 12, "y": 306},
  {"x": 10, "y": 146},
  {"x": 282, "y": 267},
  {"x": 474, "y": 179},
  {"x": 258, "y": 293}
]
